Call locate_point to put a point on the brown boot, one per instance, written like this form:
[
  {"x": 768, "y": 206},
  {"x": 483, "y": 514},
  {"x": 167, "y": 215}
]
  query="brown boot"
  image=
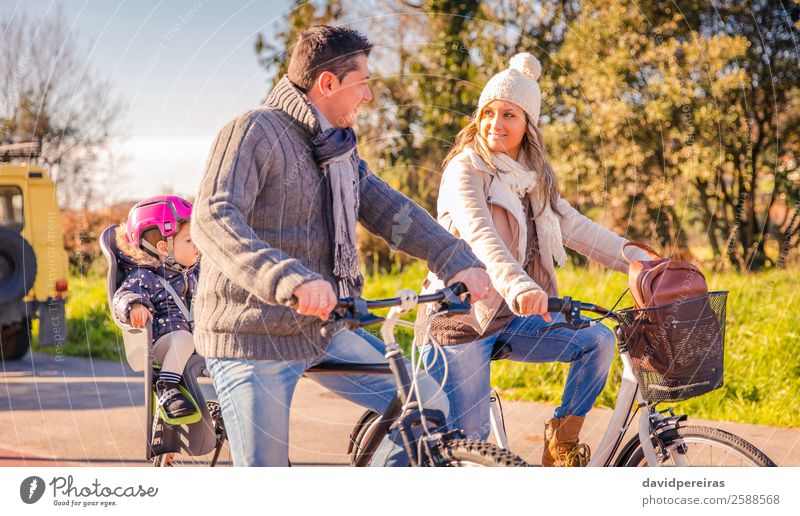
[{"x": 561, "y": 446}]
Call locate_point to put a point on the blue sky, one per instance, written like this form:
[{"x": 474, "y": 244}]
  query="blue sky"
[{"x": 184, "y": 68}]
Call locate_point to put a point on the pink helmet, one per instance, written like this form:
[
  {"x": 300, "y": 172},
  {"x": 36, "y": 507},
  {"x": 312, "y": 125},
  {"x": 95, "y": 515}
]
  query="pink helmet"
[{"x": 164, "y": 212}]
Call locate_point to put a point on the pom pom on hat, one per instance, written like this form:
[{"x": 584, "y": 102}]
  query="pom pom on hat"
[
  {"x": 526, "y": 64},
  {"x": 519, "y": 84}
]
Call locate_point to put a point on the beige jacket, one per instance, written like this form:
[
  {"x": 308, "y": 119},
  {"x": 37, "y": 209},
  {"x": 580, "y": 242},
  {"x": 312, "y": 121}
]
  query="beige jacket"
[{"x": 476, "y": 207}]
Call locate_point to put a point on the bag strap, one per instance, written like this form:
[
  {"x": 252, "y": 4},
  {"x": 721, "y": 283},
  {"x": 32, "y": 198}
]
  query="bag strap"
[
  {"x": 641, "y": 245},
  {"x": 178, "y": 301}
]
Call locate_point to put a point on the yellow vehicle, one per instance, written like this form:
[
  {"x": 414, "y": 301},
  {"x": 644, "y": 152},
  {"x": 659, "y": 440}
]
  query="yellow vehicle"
[{"x": 33, "y": 262}]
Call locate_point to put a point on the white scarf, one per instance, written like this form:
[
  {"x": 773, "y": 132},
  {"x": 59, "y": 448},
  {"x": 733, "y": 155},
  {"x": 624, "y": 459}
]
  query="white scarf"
[{"x": 523, "y": 181}]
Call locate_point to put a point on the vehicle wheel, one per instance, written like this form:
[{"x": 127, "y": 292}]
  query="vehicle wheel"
[
  {"x": 461, "y": 453},
  {"x": 454, "y": 452},
  {"x": 15, "y": 339},
  {"x": 710, "y": 447},
  {"x": 17, "y": 266},
  {"x": 363, "y": 427},
  {"x": 219, "y": 456}
]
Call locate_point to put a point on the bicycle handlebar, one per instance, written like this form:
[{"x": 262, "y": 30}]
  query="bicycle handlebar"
[
  {"x": 457, "y": 289},
  {"x": 563, "y": 305},
  {"x": 572, "y": 313},
  {"x": 357, "y": 309},
  {"x": 566, "y": 305}
]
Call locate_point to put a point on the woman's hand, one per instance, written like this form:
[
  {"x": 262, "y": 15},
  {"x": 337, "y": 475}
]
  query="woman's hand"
[
  {"x": 533, "y": 302},
  {"x": 476, "y": 280},
  {"x": 139, "y": 315}
]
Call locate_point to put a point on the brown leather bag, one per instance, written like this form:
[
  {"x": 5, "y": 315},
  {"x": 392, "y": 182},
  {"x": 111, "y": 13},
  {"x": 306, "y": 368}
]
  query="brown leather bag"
[
  {"x": 672, "y": 341},
  {"x": 662, "y": 281}
]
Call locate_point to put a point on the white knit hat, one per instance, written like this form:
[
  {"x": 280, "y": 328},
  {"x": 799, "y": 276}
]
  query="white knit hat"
[{"x": 519, "y": 84}]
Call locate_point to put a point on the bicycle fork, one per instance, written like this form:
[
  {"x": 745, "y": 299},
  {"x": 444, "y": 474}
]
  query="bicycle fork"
[
  {"x": 496, "y": 420},
  {"x": 655, "y": 426}
]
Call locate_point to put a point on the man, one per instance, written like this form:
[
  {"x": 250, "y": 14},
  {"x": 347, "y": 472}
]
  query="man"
[{"x": 275, "y": 220}]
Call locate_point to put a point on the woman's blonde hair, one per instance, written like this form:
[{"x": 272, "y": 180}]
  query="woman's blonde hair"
[{"x": 531, "y": 149}]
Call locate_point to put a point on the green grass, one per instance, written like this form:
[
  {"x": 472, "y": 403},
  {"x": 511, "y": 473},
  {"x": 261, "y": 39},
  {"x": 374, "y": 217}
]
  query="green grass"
[
  {"x": 762, "y": 349},
  {"x": 90, "y": 330}
]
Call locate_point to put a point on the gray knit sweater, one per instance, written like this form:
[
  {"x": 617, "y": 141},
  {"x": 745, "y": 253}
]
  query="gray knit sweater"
[{"x": 262, "y": 220}]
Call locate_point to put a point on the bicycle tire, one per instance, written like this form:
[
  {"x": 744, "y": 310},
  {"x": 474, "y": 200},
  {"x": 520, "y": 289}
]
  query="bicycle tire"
[
  {"x": 472, "y": 453},
  {"x": 211, "y": 459},
  {"x": 453, "y": 452},
  {"x": 731, "y": 447},
  {"x": 364, "y": 425}
]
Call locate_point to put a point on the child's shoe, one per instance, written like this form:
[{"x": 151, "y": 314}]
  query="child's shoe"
[{"x": 172, "y": 400}]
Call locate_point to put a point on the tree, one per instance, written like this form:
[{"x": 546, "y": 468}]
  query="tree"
[
  {"x": 427, "y": 97},
  {"x": 756, "y": 175},
  {"x": 274, "y": 55},
  {"x": 50, "y": 95},
  {"x": 675, "y": 123},
  {"x": 424, "y": 93},
  {"x": 673, "y": 109}
]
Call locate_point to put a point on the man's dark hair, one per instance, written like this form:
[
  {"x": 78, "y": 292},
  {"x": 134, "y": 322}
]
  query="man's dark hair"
[{"x": 323, "y": 48}]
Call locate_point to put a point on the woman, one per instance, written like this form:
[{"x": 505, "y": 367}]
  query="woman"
[{"x": 500, "y": 195}]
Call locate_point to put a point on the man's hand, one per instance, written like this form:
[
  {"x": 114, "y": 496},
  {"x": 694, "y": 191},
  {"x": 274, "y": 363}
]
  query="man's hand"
[
  {"x": 476, "y": 280},
  {"x": 533, "y": 302},
  {"x": 315, "y": 298},
  {"x": 139, "y": 315}
]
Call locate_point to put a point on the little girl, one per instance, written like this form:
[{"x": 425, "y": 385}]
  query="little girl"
[{"x": 156, "y": 238}]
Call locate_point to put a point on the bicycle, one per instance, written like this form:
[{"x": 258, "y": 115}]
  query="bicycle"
[
  {"x": 438, "y": 446},
  {"x": 660, "y": 438},
  {"x": 201, "y": 439}
]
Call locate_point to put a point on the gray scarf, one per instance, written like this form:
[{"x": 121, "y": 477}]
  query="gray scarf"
[{"x": 333, "y": 149}]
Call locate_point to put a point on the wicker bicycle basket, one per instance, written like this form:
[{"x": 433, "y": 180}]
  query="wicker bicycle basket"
[{"x": 677, "y": 349}]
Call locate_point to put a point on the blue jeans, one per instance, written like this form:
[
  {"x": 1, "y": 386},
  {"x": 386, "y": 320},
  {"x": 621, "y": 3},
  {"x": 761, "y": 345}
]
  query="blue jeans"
[
  {"x": 256, "y": 395},
  {"x": 589, "y": 351}
]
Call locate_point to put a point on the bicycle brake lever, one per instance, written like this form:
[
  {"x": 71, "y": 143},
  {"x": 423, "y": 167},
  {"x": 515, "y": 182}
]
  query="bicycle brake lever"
[
  {"x": 330, "y": 328},
  {"x": 358, "y": 316},
  {"x": 339, "y": 321},
  {"x": 452, "y": 305}
]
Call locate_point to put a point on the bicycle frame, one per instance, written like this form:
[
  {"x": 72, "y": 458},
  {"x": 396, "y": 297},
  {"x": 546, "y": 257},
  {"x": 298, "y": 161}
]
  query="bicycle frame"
[
  {"x": 404, "y": 410},
  {"x": 621, "y": 419},
  {"x": 649, "y": 420}
]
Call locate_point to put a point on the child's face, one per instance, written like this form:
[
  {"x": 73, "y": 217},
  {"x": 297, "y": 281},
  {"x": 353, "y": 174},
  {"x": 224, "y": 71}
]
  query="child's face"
[{"x": 185, "y": 252}]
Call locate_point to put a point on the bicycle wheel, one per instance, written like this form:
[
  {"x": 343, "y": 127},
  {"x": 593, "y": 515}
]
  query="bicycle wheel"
[
  {"x": 466, "y": 453},
  {"x": 219, "y": 456},
  {"x": 453, "y": 452},
  {"x": 365, "y": 426},
  {"x": 710, "y": 447}
]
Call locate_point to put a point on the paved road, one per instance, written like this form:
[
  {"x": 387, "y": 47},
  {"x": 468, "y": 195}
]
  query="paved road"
[{"x": 79, "y": 411}]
